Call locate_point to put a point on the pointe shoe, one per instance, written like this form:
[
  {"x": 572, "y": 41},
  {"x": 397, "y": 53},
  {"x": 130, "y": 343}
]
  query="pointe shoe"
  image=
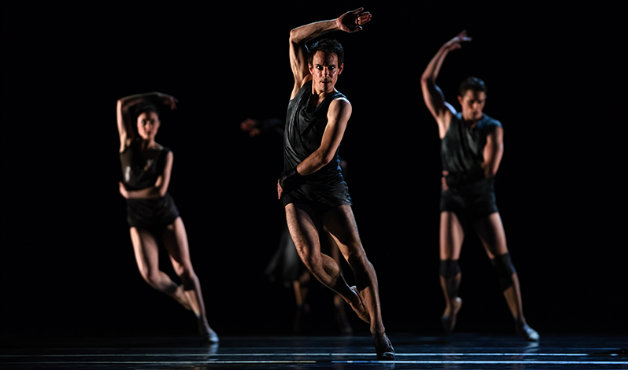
[
  {"x": 383, "y": 347},
  {"x": 361, "y": 310},
  {"x": 527, "y": 332},
  {"x": 449, "y": 321}
]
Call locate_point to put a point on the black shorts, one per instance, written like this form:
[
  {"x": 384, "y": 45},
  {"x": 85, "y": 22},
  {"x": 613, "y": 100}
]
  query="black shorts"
[
  {"x": 471, "y": 200},
  {"x": 151, "y": 214},
  {"x": 319, "y": 198}
]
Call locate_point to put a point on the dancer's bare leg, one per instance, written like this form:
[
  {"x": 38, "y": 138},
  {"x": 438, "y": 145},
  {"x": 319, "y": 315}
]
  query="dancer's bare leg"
[
  {"x": 491, "y": 233},
  {"x": 451, "y": 239},
  {"x": 339, "y": 303},
  {"x": 176, "y": 242},
  {"x": 341, "y": 225},
  {"x": 146, "y": 252},
  {"x": 324, "y": 268}
]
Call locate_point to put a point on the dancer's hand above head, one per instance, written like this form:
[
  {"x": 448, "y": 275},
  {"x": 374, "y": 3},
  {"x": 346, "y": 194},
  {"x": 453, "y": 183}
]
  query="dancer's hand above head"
[{"x": 353, "y": 20}]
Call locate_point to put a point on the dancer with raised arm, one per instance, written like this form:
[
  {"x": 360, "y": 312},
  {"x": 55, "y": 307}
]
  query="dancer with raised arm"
[
  {"x": 312, "y": 187},
  {"x": 152, "y": 214},
  {"x": 472, "y": 146}
]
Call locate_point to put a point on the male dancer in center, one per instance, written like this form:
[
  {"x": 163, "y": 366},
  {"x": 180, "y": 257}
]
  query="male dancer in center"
[{"x": 312, "y": 188}]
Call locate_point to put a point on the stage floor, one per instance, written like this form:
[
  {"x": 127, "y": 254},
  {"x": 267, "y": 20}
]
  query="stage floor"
[{"x": 459, "y": 351}]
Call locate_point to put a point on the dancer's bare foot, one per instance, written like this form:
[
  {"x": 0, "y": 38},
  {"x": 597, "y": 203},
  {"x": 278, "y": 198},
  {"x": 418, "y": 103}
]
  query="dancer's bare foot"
[
  {"x": 357, "y": 304},
  {"x": 383, "y": 347},
  {"x": 181, "y": 297},
  {"x": 449, "y": 316}
]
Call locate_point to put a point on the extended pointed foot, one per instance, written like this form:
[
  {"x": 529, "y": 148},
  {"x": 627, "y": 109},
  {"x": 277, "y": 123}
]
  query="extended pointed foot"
[
  {"x": 449, "y": 318},
  {"x": 383, "y": 347},
  {"x": 527, "y": 332},
  {"x": 207, "y": 334}
]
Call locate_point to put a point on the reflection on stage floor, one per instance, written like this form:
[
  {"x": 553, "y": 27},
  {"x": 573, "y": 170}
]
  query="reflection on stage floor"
[{"x": 458, "y": 351}]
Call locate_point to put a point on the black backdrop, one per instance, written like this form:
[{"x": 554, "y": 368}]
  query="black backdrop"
[{"x": 556, "y": 78}]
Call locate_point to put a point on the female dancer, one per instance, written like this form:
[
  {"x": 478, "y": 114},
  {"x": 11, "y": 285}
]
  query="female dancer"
[{"x": 152, "y": 215}]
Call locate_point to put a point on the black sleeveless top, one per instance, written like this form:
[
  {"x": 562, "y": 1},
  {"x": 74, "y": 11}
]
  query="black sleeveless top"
[
  {"x": 462, "y": 148},
  {"x": 304, "y": 132},
  {"x": 140, "y": 169}
]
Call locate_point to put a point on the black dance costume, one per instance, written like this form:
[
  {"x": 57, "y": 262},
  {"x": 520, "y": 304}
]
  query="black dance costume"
[
  {"x": 140, "y": 170},
  {"x": 470, "y": 194},
  {"x": 326, "y": 188}
]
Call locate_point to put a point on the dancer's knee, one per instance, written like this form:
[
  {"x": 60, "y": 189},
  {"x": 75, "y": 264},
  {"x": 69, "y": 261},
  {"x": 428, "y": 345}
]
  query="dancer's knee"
[
  {"x": 449, "y": 268},
  {"x": 152, "y": 277},
  {"x": 188, "y": 279},
  {"x": 504, "y": 269}
]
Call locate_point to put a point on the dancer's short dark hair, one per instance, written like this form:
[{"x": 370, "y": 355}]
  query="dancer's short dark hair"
[
  {"x": 471, "y": 83},
  {"x": 327, "y": 46},
  {"x": 146, "y": 108}
]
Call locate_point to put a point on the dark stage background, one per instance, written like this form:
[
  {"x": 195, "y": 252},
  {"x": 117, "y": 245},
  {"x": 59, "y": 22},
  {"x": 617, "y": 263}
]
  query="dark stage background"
[{"x": 556, "y": 78}]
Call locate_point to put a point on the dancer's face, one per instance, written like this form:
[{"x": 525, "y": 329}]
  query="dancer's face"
[
  {"x": 325, "y": 71},
  {"x": 148, "y": 125},
  {"x": 472, "y": 104}
]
